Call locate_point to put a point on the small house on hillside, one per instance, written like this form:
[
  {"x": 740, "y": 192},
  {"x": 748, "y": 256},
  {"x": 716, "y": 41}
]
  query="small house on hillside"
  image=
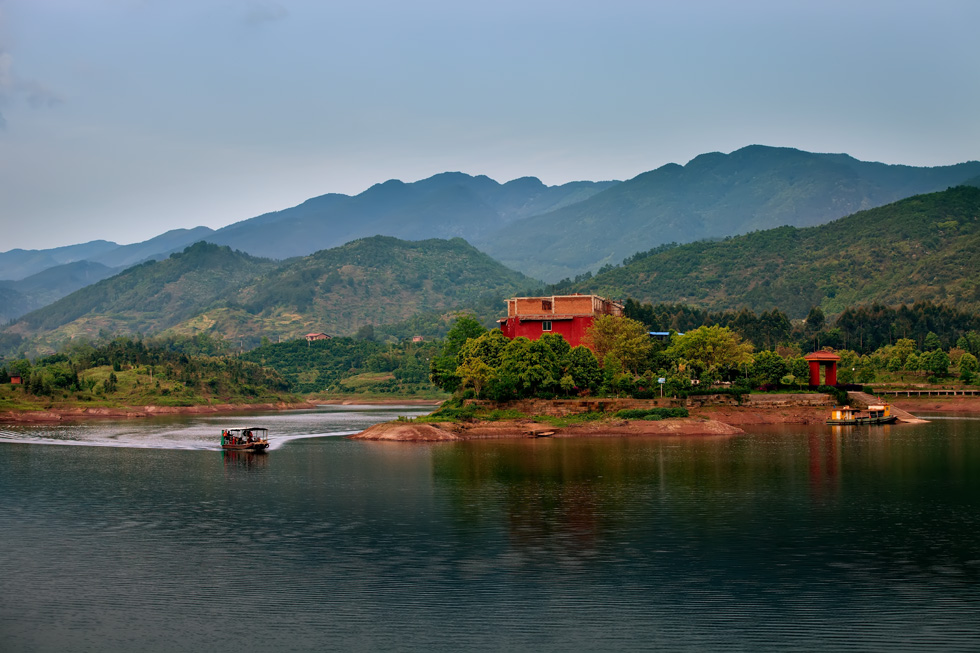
[
  {"x": 15, "y": 379},
  {"x": 418, "y": 339},
  {"x": 569, "y": 316},
  {"x": 310, "y": 337}
]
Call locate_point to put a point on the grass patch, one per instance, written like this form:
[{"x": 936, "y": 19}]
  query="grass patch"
[
  {"x": 451, "y": 412},
  {"x": 653, "y": 414}
]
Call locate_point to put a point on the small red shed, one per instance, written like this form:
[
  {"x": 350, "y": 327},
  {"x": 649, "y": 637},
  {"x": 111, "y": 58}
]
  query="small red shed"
[{"x": 827, "y": 360}]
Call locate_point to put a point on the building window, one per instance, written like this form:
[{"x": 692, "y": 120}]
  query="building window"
[
  {"x": 546, "y": 325},
  {"x": 546, "y": 305}
]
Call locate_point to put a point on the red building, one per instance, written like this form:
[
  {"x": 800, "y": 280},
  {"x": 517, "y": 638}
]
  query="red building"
[{"x": 567, "y": 315}]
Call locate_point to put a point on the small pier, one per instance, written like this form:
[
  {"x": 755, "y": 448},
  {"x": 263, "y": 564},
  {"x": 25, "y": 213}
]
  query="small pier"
[{"x": 929, "y": 393}]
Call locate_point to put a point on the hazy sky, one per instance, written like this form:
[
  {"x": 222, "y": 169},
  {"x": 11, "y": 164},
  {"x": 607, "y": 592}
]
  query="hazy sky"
[{"x": 121, "y": 119}]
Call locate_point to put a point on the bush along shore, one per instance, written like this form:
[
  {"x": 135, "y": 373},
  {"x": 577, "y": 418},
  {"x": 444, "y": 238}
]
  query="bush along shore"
[{"x": 129, "y": 377}]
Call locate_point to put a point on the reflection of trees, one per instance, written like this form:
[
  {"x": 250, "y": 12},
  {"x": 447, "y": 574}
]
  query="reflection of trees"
[
  {"x": 823, "y": 453},
  {"x": 866, "y": 503},
  {"x": 563, "y": 497}
]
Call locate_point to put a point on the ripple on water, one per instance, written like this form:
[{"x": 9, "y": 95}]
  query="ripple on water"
[{"x": 792, "y": 542}]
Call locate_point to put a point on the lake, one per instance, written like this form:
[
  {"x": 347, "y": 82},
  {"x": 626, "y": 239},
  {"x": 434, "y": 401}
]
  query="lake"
[{"x": 141, "y": 535}]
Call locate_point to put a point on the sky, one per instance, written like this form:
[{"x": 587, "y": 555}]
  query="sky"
[{"x": 122, "y": 119}]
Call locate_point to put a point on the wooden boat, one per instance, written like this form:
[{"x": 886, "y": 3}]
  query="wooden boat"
[
  {"x": 876, "y": 414},
  {"x": 253, "y": 438}
]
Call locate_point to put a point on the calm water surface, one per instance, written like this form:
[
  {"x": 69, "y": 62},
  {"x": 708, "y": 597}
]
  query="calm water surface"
[{"x": 142, "y": 536}]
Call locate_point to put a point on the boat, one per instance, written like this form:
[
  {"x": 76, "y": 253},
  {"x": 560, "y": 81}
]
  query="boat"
[
  {"x": 875, "y": 414},
  {"x": 253, "y": 438}
]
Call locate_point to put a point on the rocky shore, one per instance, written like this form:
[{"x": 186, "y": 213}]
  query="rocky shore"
[
  {"x": 716, "y": 420},
  {"x": 452, "y": 431}
]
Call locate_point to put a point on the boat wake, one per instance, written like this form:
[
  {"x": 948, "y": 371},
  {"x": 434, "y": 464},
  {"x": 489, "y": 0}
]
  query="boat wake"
[{"x": 182, "y": 439}]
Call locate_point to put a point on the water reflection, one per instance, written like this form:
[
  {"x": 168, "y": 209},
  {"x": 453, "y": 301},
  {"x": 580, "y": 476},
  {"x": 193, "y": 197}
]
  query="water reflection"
[
  {"x": 786, "y": 537},
  {"x": 246, "y": 460},
  {"x": 823, "y": 452}
]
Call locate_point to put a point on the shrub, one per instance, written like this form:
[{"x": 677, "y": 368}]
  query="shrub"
[{"x": 652, "y": 413}]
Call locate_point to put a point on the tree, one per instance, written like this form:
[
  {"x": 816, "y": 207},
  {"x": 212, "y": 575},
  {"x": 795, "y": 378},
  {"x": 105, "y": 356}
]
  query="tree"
[
  {"x": 529, "y": 368},
  {"x": 443, "y": 367},
  {"x": 937, "y": 362},
  {"x": 714, "y": 350},
  {"x": 625, "y": 340},
  {"x": 968, "y": 367},
  {"x": 815, "y": 320},
  {"x": 478, "y": 360},
  {"x": 366, "y": 332},
  {"x": 769, "y": 367},
  {"x": 932, "y": 342},
  {"x": 799, "y": 369},
  {"x": 970, "y": 341},
  {"x": 21, "y": 368},
  {"x": 581, "y": 366}
]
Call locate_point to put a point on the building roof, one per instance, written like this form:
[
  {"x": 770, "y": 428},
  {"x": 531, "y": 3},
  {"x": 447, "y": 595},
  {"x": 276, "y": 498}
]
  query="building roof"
[{"x": 822, "y": 356}]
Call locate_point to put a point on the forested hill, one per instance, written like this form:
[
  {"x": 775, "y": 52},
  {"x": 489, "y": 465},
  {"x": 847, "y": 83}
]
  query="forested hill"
[
  {"x": 921, "y": 248},
  {"x": 372, "y": 281},
  {"x": 714, "y": 196},
  {"x": 212, "y": 289},
  {"x": 150, "y": 297}
]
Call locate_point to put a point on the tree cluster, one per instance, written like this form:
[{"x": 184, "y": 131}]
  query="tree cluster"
[{"x": 618, "y": 358}]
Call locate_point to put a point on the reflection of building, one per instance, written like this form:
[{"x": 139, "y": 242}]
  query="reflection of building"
[
  {"x": 567, "y": 315},
  {"x": 826, "y": 360}
]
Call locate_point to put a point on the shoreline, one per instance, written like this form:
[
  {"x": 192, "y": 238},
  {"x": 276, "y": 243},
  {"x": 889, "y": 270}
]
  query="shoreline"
[
  {"x": 517, "y": 429},
  {"x": 706, "y": 421},
  {"x": 81, "y": 413},
  {"x": 703, "y": 420},
  {"x": 49, "y": 415}
]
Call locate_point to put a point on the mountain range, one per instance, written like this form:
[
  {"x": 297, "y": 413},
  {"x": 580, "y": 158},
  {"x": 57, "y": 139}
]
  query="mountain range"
[
  {"x": 211, "y": 288},
  {"x": 923, "y": 248},
  {"x": 714, "y": 196},
  {"x": 546, "y": 232}
]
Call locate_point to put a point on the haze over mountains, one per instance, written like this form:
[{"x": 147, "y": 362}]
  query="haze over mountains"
[{"x": 547, "y": 232}]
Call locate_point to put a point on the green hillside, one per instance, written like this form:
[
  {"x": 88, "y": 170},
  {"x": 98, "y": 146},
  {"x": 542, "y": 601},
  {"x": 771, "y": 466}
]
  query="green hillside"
[
  {"x": 920, "y": 249},
  {"x": 149, "y": 297},
  {"x": 371, "y": 281},
  {"x": 214, "y": 290}
]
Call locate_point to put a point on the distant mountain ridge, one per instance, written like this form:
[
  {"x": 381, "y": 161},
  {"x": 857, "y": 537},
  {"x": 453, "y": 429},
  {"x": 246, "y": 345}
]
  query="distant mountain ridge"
[
  {"x": 37, "y": 278},
  {"x": 447, "y": 205},
  {"x": 714, "y": 196},
  {"x": 38, "y": 290},
  {"x": 547, "y": 232}
]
